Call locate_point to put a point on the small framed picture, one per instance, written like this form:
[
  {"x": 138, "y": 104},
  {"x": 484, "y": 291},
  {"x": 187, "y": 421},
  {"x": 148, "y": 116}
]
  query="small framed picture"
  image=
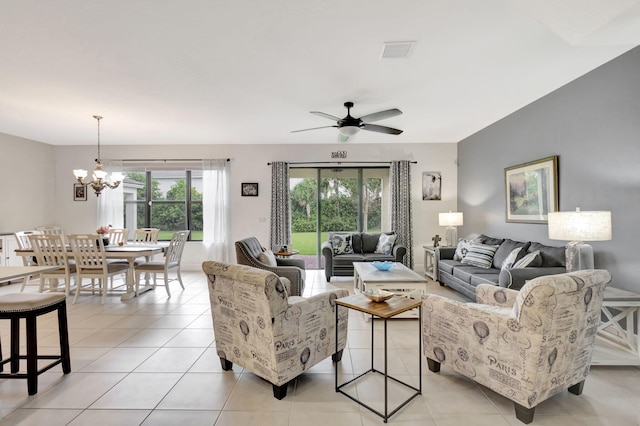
[
  {"x": 79, "y": 192},
  {"x": 431, "y": 186},
  {"x": 250, "y": 189}
]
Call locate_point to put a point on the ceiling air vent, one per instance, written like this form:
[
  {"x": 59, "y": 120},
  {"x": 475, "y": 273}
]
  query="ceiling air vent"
[{"x": 397, "y": 49}]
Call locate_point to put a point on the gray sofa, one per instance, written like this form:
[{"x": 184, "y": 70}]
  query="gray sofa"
[
  {"x": 465, "y": 278},
  {"x": 363, "y": 249}
]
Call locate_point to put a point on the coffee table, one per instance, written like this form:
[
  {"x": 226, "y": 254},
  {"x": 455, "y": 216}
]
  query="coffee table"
[
  {"x": 399, "y": 280},
  {"x": 384, "y": 310}
]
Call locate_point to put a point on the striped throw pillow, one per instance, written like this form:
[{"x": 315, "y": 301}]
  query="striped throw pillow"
[{"x": 480, "y": 255}]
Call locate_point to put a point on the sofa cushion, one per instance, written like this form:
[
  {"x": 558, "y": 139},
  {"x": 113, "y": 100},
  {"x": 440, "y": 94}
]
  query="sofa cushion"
[
  {"x": 480, "y": 255},
  {"x": 369, "y": 242},
  {"x": 447, "y": 265},
  {"x": 528, "y": 260},
  {"x": 370, "y": 257},
  {"x": 485, "y": 239},
  {"x": 466, "y": 272},
  {"x": 506, "y": 248},
  {"x": 341, "y": 242},
  {"x": 485, "y": 278},
  {"x": 550, "y": 255},
  {"x": 462, "y": 248},
  {"x": 268, "y": 258},
  {"x": 356, "y": 242},
  {"x": 508, "y": 262},
  {"x": 385, "y": 243}
]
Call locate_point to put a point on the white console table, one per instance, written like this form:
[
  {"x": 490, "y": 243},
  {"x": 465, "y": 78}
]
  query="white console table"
[{"x": 617, "y": 341}]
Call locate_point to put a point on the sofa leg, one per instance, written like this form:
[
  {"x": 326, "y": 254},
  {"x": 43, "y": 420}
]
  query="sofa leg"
[
  {"x": 226, "y": 364},
  {"x": 441, "y": 283},
  {"x": 337, "y": 357},
  {"x": 433, "y": 365},
  {"x": 577, "y": 388},
  {"x": 328, "y": 279},
  {"x": 280, "y": 392},
  {"x": 524, "y": 414}
]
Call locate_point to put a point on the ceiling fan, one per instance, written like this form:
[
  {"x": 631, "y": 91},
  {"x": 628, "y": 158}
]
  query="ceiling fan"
[{"x": 349, "y": 126}]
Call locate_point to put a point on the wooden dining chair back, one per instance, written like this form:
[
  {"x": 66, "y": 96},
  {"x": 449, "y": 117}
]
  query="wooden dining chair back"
[
  {"x": 146, "y": 235},
  {"x": 22, "y": 237},
  {"x": 172, "y": 260},
  {"x": 117, "y": 236},
  {"x": 51, "y": 250},
  {"x": 91, "y": 262},
  {"x": 51, "y": 230}
]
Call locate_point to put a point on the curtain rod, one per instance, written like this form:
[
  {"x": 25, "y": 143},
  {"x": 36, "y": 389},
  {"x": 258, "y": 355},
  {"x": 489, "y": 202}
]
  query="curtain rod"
[
  {"x": 343, "y": 162},
  {"x": 131, "y": 160}
]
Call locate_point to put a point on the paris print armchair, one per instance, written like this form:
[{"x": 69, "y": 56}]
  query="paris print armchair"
[
  {"x": 258, "y": 326},
  {"x": 526, "y": 345}
]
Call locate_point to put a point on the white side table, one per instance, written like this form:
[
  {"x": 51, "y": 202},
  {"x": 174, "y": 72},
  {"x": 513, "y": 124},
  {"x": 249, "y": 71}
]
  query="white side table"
[
  {"x": 617, "y": 341},
  {"x": 430, "y": 267}
]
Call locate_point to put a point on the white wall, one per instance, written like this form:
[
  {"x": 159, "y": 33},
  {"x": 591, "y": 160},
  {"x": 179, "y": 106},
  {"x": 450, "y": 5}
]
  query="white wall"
[
  {"x": 248, "y": 164},
  {"x": 27, "y": 171}
]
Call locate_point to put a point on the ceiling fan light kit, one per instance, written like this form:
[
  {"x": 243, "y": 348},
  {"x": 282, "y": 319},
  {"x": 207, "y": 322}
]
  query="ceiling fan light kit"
[{"x": 349, "y": 126}]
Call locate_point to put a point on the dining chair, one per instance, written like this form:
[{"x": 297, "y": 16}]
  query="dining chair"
[
  {"x": 91, "y": 262},
  {"x": 146, "y": 235},
  {"x": 22, "y": 237},
  {"x": 171, "y": 261},
  {"x": 117, "y": 236},
  {"x": 55, "y": 230},
  {"x": 51, "y": 250}
]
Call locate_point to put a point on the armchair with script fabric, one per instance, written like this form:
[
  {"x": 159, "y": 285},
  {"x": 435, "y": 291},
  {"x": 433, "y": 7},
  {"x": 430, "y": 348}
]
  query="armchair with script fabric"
[
  {"x": 258, "y": 326},
  {"x": 526, "y": 345}
]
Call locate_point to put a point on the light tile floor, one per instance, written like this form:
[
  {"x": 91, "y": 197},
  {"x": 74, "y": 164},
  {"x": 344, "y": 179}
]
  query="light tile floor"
[{"x": 152, "y": 361}]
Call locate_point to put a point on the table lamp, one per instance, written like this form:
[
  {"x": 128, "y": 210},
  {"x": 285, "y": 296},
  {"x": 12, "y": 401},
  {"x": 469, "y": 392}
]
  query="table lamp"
[
  {"x": 451, "y": 220},
  {"x": 578, "y": 227}
]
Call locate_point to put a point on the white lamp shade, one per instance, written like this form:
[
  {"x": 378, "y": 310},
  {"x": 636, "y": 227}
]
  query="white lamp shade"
[
  {"x": 99, "y": 174},
  {"x": 450, "y": 219},
  {"x": 80, "y": 173},
  {"x": 117, "y": 177},
  {"x": 580, "y": 226}
]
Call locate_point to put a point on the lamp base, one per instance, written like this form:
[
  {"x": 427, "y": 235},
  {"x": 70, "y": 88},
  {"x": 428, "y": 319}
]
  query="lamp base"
[
  {"x": 579, "y": 256},
  {"x": 451, "y": 236}
]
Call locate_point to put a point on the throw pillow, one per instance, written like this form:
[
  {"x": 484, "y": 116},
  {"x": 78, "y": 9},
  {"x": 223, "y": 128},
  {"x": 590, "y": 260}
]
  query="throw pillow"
[
  {"x": 341, "y": 243},
  {"x": 268, "y": 258},
  {"x": 480, "y": 255},
  {"x": 508, "y": 262},
  {"x": 527, "y": 260},
  {"x": 462, "y": 249},
  {"x": 385, "y": 243}
]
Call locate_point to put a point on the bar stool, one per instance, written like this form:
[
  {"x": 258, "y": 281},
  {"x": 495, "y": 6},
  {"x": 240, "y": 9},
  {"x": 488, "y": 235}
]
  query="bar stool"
[{"x": 29, "y": 306}]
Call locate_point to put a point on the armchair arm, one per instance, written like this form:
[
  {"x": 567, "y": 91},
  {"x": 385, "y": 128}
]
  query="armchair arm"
[
  {"x": 327, "y": 252},
  {"x": 298, "y": 263},
  {"x": 517, "y": 277},
  {"x": 488, "y": 294},
  {"x": 445, "y": 253}
]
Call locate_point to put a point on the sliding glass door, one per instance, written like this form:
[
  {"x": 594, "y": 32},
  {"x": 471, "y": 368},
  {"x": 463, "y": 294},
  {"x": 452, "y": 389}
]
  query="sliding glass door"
[{"x": 327, "y": 200}]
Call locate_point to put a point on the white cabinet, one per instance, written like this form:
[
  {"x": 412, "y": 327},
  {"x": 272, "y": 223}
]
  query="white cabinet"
[{"x": 8, "y": 246}]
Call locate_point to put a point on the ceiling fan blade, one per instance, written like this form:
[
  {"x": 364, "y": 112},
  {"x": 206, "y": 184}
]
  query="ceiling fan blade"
[
  {"x": 313, "y": 128},
  {"x": 342, "y": 138},
  {"x": 325, "y": 115},
  {"x": 381, "y": 129},
  {"x": 381, "y": 115}
]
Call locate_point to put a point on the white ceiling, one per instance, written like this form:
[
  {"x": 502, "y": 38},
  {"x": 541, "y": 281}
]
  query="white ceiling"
[{"x": 249, "y": 71}]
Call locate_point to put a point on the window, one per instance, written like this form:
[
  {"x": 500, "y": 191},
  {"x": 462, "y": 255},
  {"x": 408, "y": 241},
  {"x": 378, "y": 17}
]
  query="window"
[{"x": 170, "y": 200}]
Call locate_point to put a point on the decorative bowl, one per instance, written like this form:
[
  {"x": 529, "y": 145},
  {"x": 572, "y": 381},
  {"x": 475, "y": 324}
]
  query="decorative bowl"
[
  {"x": 383, "y": 266},
  {"x": 378, "y": 295}
]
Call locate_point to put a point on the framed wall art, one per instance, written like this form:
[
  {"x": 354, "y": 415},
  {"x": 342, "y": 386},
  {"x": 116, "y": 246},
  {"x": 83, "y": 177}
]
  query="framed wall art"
[
  {"x": 79, "y": 192},
  {"x": 249, "y": 189},
  {"x": 531, "y": 190},
  {"x": 431, "y": 185}
]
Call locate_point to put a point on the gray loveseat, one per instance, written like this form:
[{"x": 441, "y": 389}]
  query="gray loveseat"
[
  {"x": 357, "y": 247},
  {"x": 464, "y": 278}
]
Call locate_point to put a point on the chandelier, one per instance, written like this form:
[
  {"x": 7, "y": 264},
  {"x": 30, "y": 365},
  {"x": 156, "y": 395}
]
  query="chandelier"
[{"x": 99, "y": 181}]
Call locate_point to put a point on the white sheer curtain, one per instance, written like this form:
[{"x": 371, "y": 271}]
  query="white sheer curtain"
[
  {"x": 110, "y": 201},
  {"x": 215, "y": 209}
]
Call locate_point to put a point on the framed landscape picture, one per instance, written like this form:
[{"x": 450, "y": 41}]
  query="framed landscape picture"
[{"x": 532, "y": 190}]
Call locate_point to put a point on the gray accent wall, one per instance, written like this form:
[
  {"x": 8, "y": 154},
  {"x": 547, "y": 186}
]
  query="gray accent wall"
[{"x": 593, "y": 125}]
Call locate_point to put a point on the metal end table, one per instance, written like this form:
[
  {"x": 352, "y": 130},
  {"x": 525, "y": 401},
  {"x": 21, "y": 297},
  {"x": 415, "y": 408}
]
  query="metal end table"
[{"x": 384, "y": 310}]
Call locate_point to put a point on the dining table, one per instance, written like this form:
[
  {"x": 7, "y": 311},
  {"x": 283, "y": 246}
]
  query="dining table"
[
  {"x": 8, "y": 273},
  {"x": 128, "y": 252}
]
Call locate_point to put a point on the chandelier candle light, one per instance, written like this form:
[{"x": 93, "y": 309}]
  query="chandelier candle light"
[
  {"x": 577, "y": 227},
  {"x": 99, "y": 181},
  {"x": 451, "y": 220}
]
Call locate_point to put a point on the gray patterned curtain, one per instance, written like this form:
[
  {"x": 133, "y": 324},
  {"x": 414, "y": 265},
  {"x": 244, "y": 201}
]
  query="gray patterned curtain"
[
  {"x": 280, "y": 211},
  {"x": 401, "y": 221}
]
